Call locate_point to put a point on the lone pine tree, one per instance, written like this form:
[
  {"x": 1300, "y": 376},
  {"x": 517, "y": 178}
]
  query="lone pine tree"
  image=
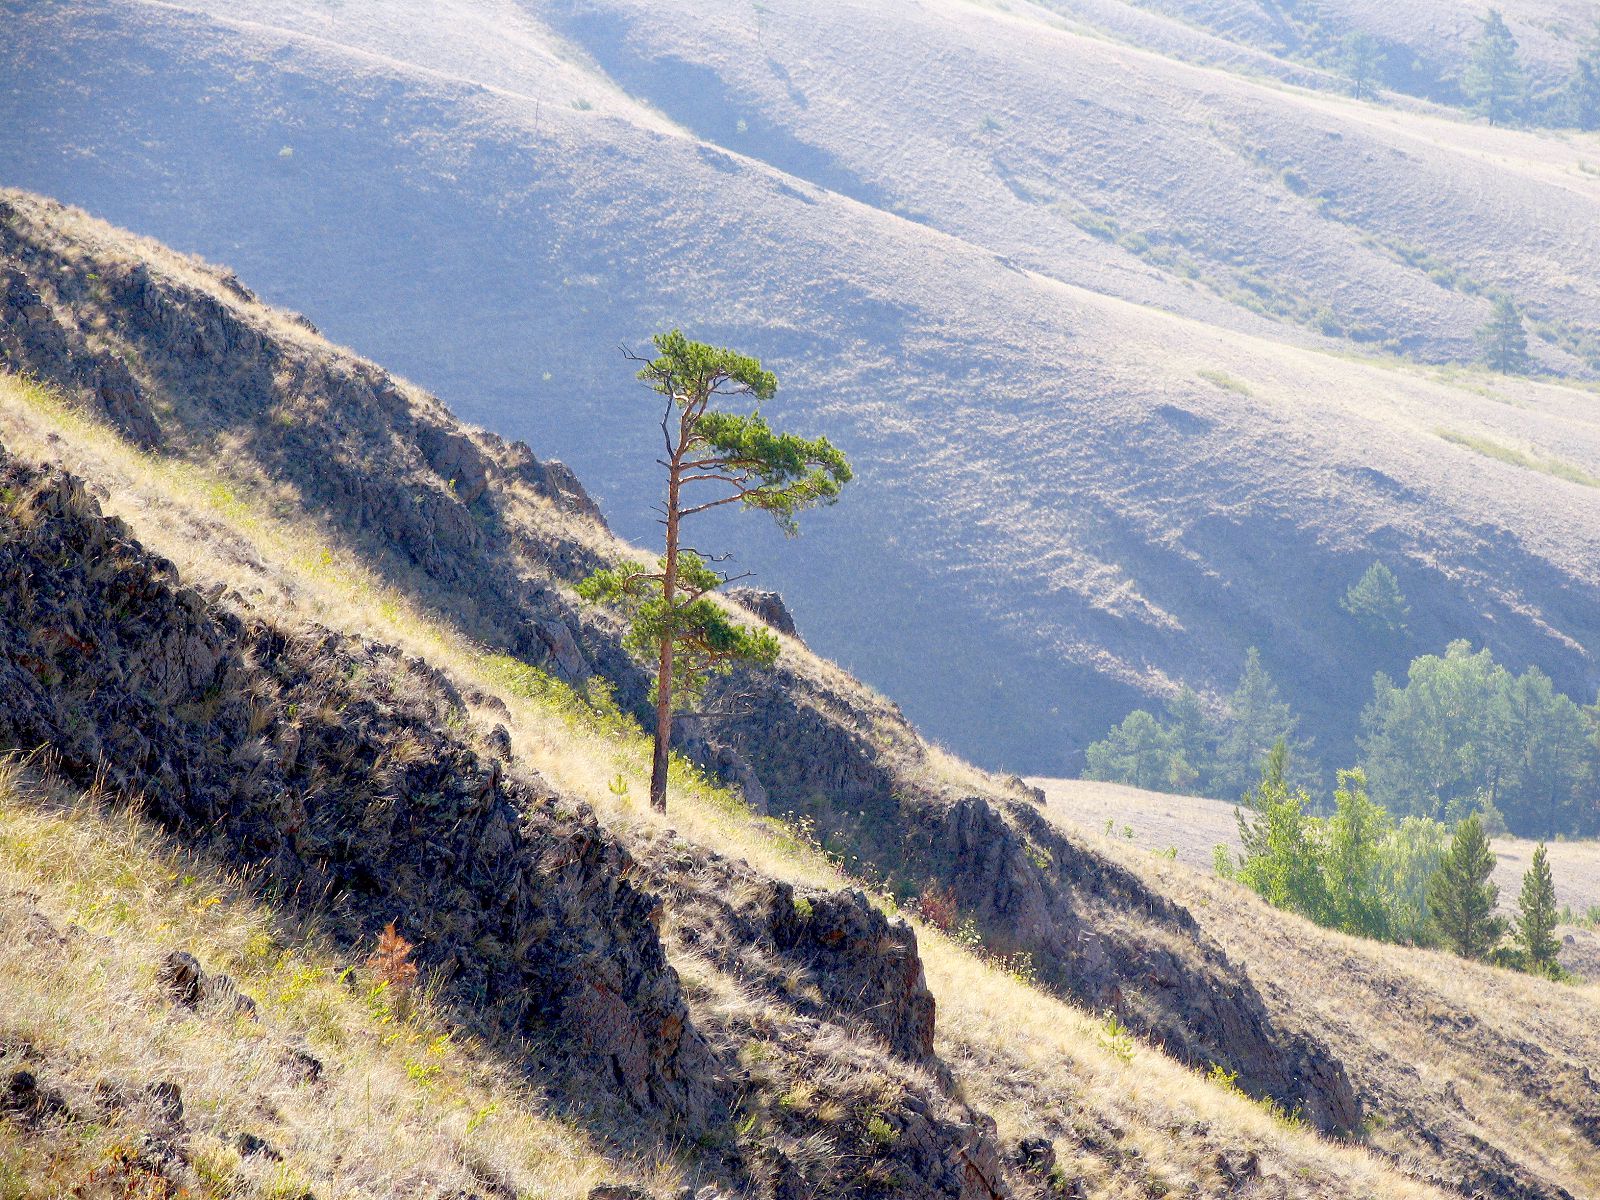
[
  {"x": 1461, "y": 899},
  {"x": 1536, "y": 916},
  {"x": 1494, "y": 80},
  {"x": 1503, "y": 339},
  {"x": 712, "y": 458},
  {"x": 1376, "y": 601}
]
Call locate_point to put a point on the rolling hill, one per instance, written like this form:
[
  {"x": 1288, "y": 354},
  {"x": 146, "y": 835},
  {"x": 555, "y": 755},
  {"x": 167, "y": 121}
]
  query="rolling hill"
[{"x": 1144, "y": 360}]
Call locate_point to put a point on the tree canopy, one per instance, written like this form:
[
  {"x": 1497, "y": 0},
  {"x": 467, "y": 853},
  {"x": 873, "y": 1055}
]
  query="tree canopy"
[
  {"x": 1504, "y": 341},
  {"x": 1494, "y": 79},
  {"x": 1376, "y": 601}
]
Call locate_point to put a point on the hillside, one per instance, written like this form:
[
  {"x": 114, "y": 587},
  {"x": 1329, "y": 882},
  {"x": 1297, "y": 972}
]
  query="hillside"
[
  {"x": 350, "y": 686},
  {"x": 1145, "y": 360}
]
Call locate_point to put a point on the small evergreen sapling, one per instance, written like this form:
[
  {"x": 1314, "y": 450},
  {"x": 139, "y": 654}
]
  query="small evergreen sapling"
[
  {"x": 1503, "y": 339},
  {"x": 712, "y": 458},
  {"x": 1376, "y": 601}
]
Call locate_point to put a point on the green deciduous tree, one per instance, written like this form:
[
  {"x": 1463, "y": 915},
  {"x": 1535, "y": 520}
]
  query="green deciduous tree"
[
  {"x": 1354, "y": 873},
  {"x": 1441, "y": 738},
  {"x": 1466, "y": 735},
  {"x": 1494, "y": 79},
  {"x": 1536, "y": 916},
  {"x": 1553, "y": 758},
  {"x": 1139, "y": 752},
  {"x": 1282, "y": 854},
  {"x": 1376, "y": 601},
  {"x": 1411, "y": 854},
  {"x": 1503, "y": 341},
  {"x": 1461, "y": 899},
  {"x": 712, "y": 458}
]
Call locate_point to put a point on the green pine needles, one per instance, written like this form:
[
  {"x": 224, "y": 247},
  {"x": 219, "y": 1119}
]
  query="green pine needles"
[
  {"x": 712, "y": 458},
  {"x": 1460, "y": 897}
]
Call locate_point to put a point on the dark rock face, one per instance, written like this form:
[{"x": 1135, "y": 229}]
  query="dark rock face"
[
  {"x": 769, "y": 606},
  {"x": 842, "y": 983},
  {"x": 323, "y": 761},
  {"x": 869, "y": 962},
  {"x": 1099, "y": 933},
  {"x": 30, "y": 332}
]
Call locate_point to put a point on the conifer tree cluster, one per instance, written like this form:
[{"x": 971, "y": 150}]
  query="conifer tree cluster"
[{"x": 1361, "y": 872}]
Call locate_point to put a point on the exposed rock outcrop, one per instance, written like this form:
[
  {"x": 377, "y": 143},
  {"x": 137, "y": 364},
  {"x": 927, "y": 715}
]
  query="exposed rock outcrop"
[
  {"x": 843, "y": 983},
  {"x": 769, "y": 606},
  {"x": 324, "y": 762}
]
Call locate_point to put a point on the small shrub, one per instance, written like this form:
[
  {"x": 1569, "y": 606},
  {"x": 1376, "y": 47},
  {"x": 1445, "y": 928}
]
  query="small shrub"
[
  {"x": 938, "y": 907},
  {"x": 879, "y": 1132},
  {"x": 1116, "y": 1037},
  {"x": 1225, "y": 381},
  {"x": 391, "y": 967}
]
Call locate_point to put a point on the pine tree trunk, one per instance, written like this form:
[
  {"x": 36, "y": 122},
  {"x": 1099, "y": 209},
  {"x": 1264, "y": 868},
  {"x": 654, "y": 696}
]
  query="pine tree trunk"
[{"x": 669, "y": 587}]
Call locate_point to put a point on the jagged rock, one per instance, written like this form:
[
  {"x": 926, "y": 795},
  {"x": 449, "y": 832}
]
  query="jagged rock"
[
  {"x": 717, "y": 758},
  {"x": 1036, "y": 1154},
  {"x": 866, "y": 963},
  {"x": 181, "y": 975},
  {"x": 1032, "y": 888},
  {"x": 1025, "y": 789},
  {"x": 249, "y": 1144},
  {"x": 457, "y": 461},
  {"x": 561, "y": 650},
  {"x": 498, "y": 743},
  {"x": 554, "y": 480},
  {"x": 769, "y": 606},
  {"x": 1238, "y": 1166},
  {"x": 303, "y": 1065},
  {"x": 166, "y": 1101},
  {"x": 24, "y": 1100}
]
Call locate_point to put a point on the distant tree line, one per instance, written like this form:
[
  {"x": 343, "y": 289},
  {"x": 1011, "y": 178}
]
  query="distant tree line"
[
  {"x": 1459, "y": 735},
  {"x": 1494, "y": 84}
]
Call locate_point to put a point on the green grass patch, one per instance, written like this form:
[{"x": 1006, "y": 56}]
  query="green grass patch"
[
  {"x": 1519, "y": 458},
  {"x": 1226, "y": 382}
]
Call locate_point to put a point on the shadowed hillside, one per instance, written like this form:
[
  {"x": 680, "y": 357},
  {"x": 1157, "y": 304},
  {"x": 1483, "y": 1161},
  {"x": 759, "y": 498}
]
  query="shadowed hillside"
[{"x": 1089, "y": 331}]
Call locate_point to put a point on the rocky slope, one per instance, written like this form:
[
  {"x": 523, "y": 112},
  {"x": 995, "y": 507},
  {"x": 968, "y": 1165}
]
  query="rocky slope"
[
  {"x": 1094, "y": 329},
  {"x": 471, "y": 532},
  {"x": 319, "y": 756}
]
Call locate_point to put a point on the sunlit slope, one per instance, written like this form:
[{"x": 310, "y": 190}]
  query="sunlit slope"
[
  {"x": 1080, "y": 480},
  {"x": 1106, "y": 164}
]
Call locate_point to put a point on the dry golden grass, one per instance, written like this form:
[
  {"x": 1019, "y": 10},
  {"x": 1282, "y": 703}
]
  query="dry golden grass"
[
  {"x": 404, "y": 1107},
  {"x": 1014, "y": 1047}
]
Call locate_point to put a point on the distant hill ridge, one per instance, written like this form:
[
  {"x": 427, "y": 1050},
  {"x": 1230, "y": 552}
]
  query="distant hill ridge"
[{"x": 1097, "y": 327}]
